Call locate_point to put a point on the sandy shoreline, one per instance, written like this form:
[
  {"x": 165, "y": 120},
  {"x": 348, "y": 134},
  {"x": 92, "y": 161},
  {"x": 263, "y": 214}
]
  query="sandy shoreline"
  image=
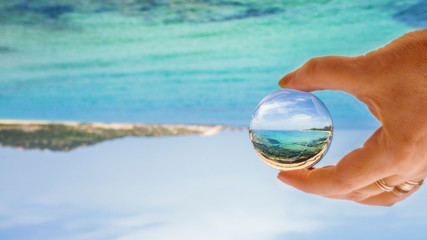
[
  {"x": 201, "y": 129},
  {"x": 65, "y": 136}
]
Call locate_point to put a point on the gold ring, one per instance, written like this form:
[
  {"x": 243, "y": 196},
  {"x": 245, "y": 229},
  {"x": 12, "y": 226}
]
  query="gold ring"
[
  {"x": 416, "y": 182},
  {"x": 399, "y": 192},
  {"x": 381, "y": 184},
  {"x": 405, "y": 186}
]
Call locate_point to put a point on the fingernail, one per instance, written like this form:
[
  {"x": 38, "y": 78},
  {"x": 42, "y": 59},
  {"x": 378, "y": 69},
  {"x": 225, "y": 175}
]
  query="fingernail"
[
  {"x": 282, "y": 177},
  {"x": 286, "y": 80}
]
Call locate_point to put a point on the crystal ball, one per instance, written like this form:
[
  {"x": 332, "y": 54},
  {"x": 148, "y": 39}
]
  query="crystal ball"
[{"x": 291, "y": 129}]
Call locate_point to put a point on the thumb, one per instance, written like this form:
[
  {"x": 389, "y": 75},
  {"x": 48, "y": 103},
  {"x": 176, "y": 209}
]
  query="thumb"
[{"x": 332, "y": 72}]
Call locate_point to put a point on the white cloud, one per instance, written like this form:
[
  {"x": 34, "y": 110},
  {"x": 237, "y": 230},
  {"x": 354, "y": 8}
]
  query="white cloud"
[
  {"x": 271, "y": 109},
  {"x": 23, "y": 219},
  {"x": 290, "y": 114},
  {"x": 300, "y": 117},
  {"x": 134, "y": 189}
]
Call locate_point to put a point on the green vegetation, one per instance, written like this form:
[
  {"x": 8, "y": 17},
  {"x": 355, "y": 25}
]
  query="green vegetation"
[
  {"x": 65, "y": 137},
  {"x": 326, "y": 128},
  {"x": 283, "y": 154},
  {"x": 290, "y": 147}
]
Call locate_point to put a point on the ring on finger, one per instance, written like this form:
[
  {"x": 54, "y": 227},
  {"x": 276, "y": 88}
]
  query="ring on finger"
[
  {"x": 415, "y": 182},
  {"x": 405, "y": 186},
  {"x": 399, "y": 192},
  {"x": 381, "y": 184}
]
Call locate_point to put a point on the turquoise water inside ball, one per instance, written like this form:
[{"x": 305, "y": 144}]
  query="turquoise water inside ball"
[{"x": 291, "y": 129}]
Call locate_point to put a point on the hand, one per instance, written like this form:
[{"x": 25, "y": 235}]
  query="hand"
[{"x": 392, "y": 82}]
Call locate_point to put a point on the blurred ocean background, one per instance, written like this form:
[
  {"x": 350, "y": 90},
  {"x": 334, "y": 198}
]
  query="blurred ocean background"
[
  {"x": 177, "y": 61},
  {"x": 171, "y": 61}
]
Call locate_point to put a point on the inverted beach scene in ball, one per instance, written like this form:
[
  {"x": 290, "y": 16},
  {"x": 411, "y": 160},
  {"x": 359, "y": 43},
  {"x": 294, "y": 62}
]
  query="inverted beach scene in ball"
[{"x": 291, "y": 129}]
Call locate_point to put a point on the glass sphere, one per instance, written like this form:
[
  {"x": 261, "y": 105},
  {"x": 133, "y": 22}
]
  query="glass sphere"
[{"x": 291, "y": 129}]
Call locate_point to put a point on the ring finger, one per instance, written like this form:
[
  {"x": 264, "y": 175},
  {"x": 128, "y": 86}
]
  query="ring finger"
[
  {"x": 371, "y": 190},
  {"x": 388, "y": 198}
]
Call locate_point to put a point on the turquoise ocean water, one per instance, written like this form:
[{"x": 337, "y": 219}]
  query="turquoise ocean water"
[
  {"x": 289, "y": 138},
  {"x": 201, "y": 62},
  {"x": 289, "y": 146}
]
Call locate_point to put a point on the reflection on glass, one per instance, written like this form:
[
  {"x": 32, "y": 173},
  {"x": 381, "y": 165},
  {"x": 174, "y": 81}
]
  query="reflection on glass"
[{"x": 291, "y": 129}]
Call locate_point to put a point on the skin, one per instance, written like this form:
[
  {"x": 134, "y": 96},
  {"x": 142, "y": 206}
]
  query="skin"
[{"x": 392, "y": 82}]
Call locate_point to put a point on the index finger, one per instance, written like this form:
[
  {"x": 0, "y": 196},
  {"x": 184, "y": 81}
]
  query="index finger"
[{"x": 332, "y": 72}]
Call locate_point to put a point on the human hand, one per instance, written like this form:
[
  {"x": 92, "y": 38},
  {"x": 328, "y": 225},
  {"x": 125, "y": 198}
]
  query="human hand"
[{"x": 392, "y": 82}]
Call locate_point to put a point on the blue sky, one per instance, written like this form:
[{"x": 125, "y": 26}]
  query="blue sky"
[
  {"x": 182, "y": 188},
  {"x": 290, "y": 110}
]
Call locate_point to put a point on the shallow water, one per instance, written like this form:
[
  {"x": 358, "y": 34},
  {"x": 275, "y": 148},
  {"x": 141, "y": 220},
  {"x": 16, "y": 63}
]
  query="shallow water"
[
  {"x": 284, "y": 147},
  {"x": 179, "y": 62}
]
